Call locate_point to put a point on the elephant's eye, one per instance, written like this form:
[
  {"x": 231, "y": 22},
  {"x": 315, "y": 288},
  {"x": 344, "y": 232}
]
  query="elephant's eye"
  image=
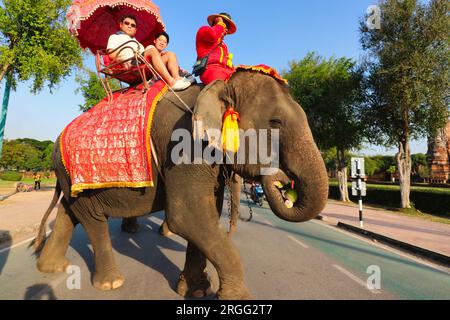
[{"x": 276, "y": 123}]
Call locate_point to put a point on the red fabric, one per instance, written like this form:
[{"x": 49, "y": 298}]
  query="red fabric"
[
  {"x": 109, "y": 146},
  {"x": 93, "y": 21},
  {"x": 216, "y": 72},
  {"x": 207, "y": 38}
]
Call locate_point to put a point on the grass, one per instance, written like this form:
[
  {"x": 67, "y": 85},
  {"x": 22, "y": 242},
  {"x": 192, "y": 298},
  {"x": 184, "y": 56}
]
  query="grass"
[
  {"x": 403, "y": 212},
  {"x": 9, "y": 185},
  {"x": 397, "y": 188}
]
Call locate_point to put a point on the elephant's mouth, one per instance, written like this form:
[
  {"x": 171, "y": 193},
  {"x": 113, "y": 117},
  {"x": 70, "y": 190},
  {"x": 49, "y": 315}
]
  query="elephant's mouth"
[{"x": 302, "y": 202}]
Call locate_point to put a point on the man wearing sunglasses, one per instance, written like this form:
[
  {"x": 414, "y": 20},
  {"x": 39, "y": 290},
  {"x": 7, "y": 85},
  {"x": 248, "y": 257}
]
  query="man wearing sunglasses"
[{"x": 128, "y": 29}]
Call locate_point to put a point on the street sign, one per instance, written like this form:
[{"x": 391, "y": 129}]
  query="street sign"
[
  {"x": 362, "y": 188},
  {"x": 358, "y": 168},
  {"x": 358, "y": 186}
]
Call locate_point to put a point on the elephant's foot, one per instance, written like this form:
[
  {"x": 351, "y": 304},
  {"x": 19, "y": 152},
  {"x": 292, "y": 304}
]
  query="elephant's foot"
[
  {"x": 52, "y": 265},
  {"x": 234, "y": 294},
  {"x": 108, "y": 280},
  {"x": 130, "y": 225},
  {"x": 164, "y": 230},
  {"x": 195, "y": 288}
]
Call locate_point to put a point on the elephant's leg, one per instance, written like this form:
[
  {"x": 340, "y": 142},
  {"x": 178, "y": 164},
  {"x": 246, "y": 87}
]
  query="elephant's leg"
[
  {"x": 130, "y": 225},
  {"x": 107, "y": 275},
  {"x": 164, "y": 229},
  {"x": 192, "y": 213},
  {"x": 52, "y": 258},
  {"x": 194, "y": 281},
  {"x": 235, "y": 203}
]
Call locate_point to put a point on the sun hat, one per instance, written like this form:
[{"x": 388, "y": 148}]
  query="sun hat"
[{"x": 227, "y": 18}]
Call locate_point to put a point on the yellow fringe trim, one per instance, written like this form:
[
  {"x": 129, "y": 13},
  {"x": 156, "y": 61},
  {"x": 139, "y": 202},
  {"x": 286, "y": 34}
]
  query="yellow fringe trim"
[
  {"x": 156, "y": 100},
  {"x": 76, "y": 189},
  {"x": 61, "y": 147}
]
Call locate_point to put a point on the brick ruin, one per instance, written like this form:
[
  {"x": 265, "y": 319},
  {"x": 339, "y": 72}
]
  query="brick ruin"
[{"x": 438, "y": 156}]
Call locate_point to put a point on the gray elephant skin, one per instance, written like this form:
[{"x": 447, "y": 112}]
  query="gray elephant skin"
[{"x": 192, "y": 194}]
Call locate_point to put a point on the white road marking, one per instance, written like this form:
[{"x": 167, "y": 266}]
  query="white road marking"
[
  {"x": 355, "y": 278},
  {"x": 134, "y": 243},
  {"x": 385, "y": 247},
  {"x": 21, "y": 243},
  {"x": 267, "y": 222},
  {"x": 298, "y": 242}
]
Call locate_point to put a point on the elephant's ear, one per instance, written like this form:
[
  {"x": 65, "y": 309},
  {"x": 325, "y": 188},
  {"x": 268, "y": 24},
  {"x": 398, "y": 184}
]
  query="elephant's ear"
[{"x": 209, "y": 109}]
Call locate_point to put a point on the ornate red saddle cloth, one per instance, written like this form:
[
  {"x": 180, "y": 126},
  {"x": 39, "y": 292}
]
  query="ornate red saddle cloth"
[{"x": 110, "y": 145}]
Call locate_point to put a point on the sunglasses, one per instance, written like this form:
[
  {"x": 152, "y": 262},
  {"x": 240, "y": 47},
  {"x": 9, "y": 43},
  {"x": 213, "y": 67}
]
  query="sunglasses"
[{"x": 133, "y": 25}]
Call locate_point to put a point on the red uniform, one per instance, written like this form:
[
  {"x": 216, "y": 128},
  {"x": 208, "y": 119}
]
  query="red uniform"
[{"x": 219, "y": 62}]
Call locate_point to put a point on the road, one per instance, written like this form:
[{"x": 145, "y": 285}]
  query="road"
[{"x": 282, "y": 260}]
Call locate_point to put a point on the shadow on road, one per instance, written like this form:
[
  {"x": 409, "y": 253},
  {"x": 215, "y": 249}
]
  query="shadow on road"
[
  {"x": 145, "y": 246},
  {"x": 341, "y": 244},
  {"x": 40, "y": 292},
  {"x": 5, "y": 238}
]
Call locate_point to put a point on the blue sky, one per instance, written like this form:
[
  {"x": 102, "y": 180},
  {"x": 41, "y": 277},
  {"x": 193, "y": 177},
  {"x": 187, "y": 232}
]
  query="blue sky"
[{"x": 269, "y": 32}]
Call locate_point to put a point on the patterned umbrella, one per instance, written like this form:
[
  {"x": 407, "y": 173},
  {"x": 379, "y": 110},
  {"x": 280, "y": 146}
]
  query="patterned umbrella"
[{"x": 93, "y": 21}]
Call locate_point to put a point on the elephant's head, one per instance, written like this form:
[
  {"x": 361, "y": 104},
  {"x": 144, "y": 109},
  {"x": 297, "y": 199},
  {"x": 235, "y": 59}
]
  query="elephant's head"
[{"x": 264, "y": 103}]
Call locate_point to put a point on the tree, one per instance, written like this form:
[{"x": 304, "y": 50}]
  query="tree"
[
  {"x": 27, "y": 154},
  {"x": 20, "y": 156},
  {"x": 330, "y": 91},
  {"x": 407, "y": 85},
  {"x": 34, "y": 45},
  {"x": 92, "y": 89}
]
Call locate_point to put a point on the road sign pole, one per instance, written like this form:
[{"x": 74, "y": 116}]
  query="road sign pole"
[{"x": 359, "y": 177}]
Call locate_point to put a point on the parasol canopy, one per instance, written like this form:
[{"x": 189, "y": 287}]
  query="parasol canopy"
[{"x": 93, "y": 21}]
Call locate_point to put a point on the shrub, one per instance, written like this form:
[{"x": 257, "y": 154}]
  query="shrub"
[
  {"x": 11, "y": 176},
  {"x": 428, "y": 200}
]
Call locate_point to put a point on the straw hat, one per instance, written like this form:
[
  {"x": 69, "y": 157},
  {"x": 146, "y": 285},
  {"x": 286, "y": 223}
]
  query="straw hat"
[{"x": 227, "y": 19}]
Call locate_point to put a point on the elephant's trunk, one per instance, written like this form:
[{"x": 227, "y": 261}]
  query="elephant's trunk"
[{"x": 307, "y": 169}]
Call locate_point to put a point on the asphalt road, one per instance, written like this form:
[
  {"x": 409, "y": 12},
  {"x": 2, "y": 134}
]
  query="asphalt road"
[{"x": 282, "y": 261}]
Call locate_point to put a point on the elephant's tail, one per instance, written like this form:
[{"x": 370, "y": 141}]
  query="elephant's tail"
[{"x": 39, "y": 241}]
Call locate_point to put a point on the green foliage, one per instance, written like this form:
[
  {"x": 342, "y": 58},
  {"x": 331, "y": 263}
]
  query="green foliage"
[
  {"x": 408, "y": 83},
  {"x": 27, "y": 154},
  {"x": 392, "y": 170},
  {"x": 423, "y": 172},
  {"x": 329, "y": 91},
  {"x": 10, "y": 176},
  {"x": 92, "y": 89},
  {"x": 35, "y": 43},
  {"x": 371, "y": 166},
  {"x": 429, "y": 200}
]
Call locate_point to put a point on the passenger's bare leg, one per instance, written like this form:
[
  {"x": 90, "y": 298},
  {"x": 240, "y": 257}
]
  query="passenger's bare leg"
[
  {"x": 159, "y": 65},
  {"x": 170, "y": 60}
]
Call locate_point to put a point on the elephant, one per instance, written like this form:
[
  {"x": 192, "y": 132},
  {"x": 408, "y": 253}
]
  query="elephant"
[{"x": 192, "y": 194}]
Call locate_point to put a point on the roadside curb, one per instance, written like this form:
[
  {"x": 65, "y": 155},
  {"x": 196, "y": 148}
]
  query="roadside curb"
[
  {"x": 6, "y": 196},
  {"x": 424, "y": 253},
  {"x": 20, "y": 234}
]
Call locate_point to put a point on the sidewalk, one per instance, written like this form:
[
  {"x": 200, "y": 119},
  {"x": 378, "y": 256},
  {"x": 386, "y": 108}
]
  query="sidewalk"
[
  {"x": 425, "y": 234},
  {"x": 21, "y": 214}
]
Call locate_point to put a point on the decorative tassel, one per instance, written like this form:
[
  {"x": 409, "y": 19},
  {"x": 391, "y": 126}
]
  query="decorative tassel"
[{"x": 230, "y": 130}]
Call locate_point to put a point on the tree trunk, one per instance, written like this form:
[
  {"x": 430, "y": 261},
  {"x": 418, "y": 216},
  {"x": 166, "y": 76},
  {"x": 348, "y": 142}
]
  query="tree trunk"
[
  {"x": 3, "y": 113},
  {"x": 342, "y": 176},
  {"x": 404, "y": 169},
  {"x": 4, "y": 71}
]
